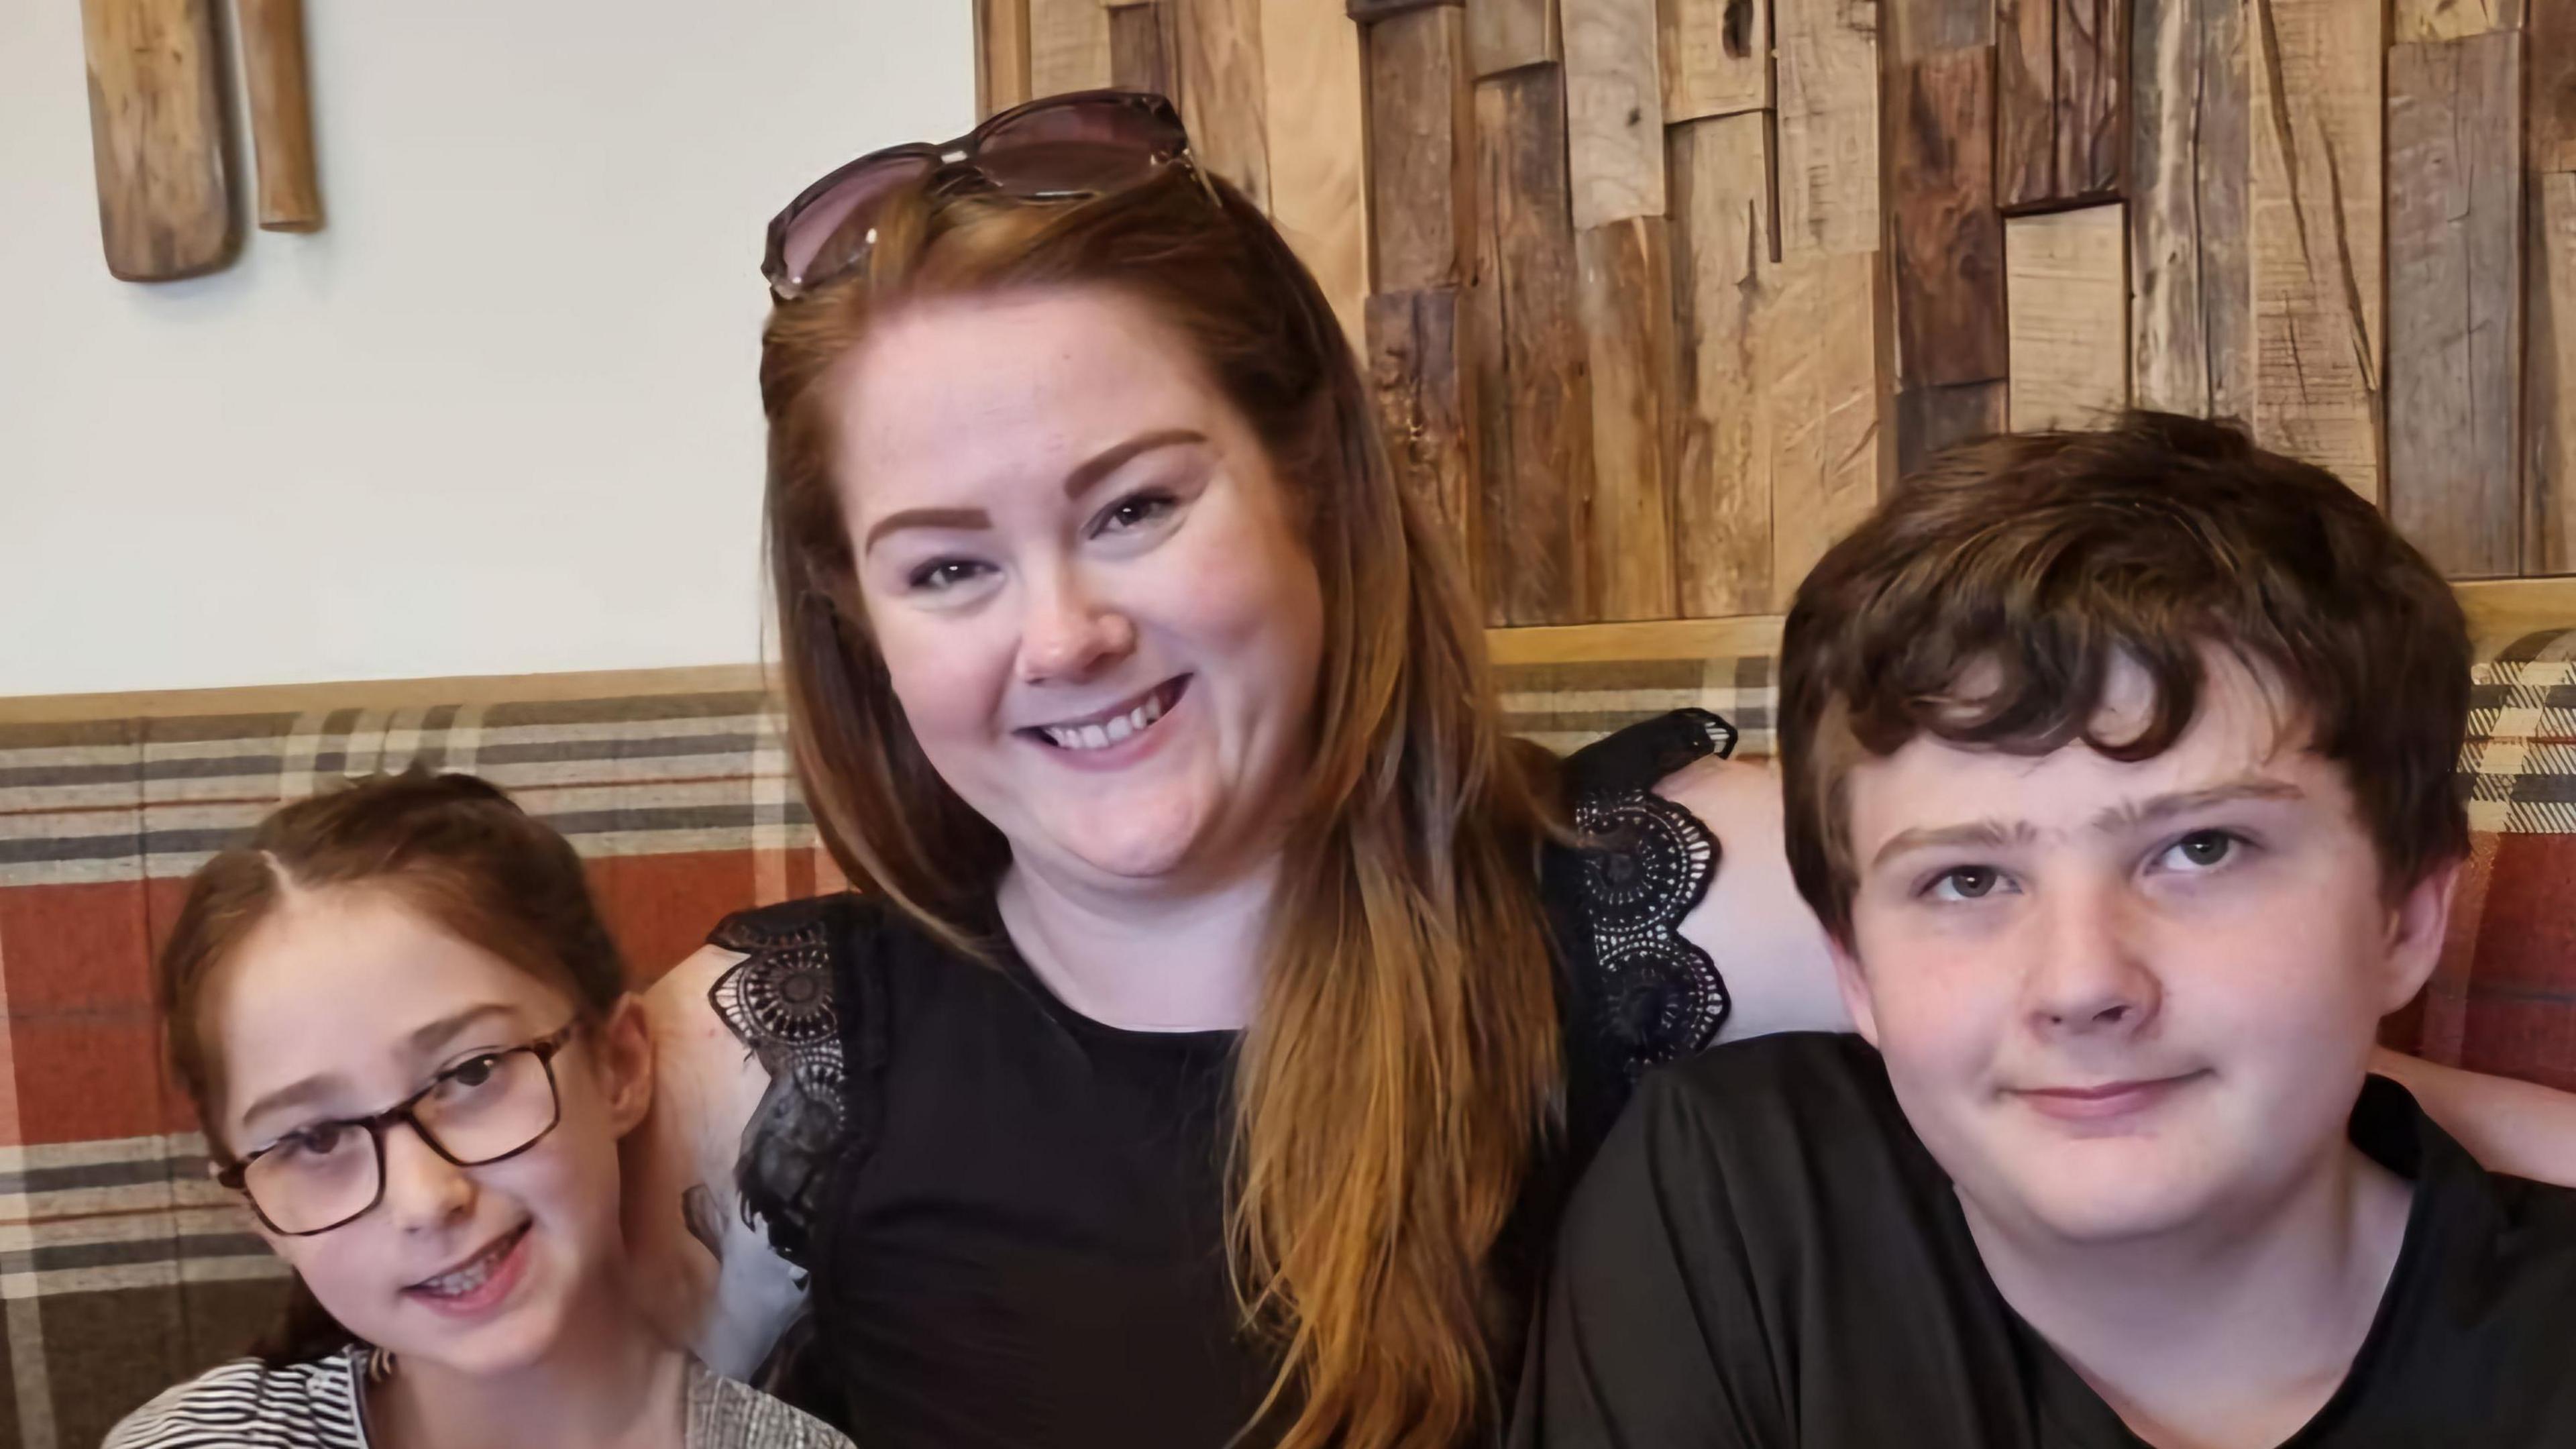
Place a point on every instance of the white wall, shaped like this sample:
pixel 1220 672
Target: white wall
pixel 499 415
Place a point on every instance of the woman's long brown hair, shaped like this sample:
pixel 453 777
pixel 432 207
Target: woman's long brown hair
pixel 1402 1068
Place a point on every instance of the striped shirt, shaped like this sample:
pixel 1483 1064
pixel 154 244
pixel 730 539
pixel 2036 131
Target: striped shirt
pixel 321 1404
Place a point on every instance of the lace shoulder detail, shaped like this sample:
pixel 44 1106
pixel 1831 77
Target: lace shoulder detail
pixel 1645 865
pixel 791 1001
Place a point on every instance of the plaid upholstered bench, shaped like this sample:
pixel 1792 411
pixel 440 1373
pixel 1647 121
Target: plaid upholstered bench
pixel 122 1268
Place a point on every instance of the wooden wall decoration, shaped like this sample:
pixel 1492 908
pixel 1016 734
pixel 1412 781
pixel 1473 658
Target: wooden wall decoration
pixel 156 117
pixel 1659 296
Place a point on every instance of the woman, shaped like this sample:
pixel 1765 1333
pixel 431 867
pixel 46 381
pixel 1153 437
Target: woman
pixel 1223 1013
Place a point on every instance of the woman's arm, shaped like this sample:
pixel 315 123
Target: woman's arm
pixel 2519 1128
pixel 706 1278
pixel 1753 923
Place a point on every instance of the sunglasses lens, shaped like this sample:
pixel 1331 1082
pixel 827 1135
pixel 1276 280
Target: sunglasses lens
pixel 823 235
pixel 1081 146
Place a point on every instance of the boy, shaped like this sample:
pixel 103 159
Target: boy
pixel 2119 769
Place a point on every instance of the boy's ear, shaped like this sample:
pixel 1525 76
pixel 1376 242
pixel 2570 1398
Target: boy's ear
pixel 1854 985
pixel 626 1063
pixel 2419 924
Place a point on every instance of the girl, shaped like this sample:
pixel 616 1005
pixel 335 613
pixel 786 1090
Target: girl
pixel 407 1036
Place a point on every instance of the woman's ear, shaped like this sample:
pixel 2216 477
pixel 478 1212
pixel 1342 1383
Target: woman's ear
pixel 625 1060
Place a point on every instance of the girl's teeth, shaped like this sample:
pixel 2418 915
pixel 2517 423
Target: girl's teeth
pixel 1102 736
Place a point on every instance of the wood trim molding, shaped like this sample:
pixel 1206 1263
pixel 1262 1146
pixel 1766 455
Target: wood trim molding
pixel 2499 610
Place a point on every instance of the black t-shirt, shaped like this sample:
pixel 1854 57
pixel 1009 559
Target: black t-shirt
pixel 1765 1255
pixel 1012 1214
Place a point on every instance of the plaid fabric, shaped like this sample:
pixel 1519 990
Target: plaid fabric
pixel 124 1270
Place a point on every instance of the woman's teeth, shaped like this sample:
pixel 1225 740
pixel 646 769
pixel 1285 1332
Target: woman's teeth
pixel 474 1274
pixel 1102 736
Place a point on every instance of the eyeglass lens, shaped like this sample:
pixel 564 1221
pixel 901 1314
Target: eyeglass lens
pixel 478 1111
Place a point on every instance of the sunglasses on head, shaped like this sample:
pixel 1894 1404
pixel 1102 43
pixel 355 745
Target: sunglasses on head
pixel 1062 148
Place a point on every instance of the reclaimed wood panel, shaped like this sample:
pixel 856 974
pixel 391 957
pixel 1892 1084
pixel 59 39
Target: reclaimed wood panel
pixel 1716 57
pixel 1370 11
pixel 1930 419
pixel 2062 83
pixel 2549 391
pixel 1421 149
pixel 156 123
pixel 1222 101
pixel 1509 34
pixel 1419 375
pixel 1533 375
pixel 1824 357
pixel 1826 59
pixel 1721 196
pixel 1913 29
pixel 2066 273
pixel 1001 55
pixel 1614 97
pixel 2192 278
pixel 2552 31
pixel 1068 46
pixel 1949 242
pixel 1319 147
pixel 1143 43
pixel 2418 21
pixel 2318 239
pixel 2454 301
pixel 1626 303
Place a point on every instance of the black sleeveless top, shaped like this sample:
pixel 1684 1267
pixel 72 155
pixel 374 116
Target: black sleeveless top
pixel 1010 1214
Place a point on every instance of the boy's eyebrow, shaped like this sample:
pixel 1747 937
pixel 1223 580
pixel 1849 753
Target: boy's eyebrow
pixel 1934 837
pixel 436 1034
pixel 2129 815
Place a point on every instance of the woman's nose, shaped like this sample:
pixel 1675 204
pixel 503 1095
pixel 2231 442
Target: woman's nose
pixel 422 1189
pixel 1069 632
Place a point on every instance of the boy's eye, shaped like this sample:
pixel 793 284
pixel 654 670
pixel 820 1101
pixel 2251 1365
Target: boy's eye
pixel 1966 883
pixel 320 1140
pixel 2200 850
pixel 467 1076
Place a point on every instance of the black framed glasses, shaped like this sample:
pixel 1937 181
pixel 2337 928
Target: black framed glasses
pixel 1071 147
pixel 491 1106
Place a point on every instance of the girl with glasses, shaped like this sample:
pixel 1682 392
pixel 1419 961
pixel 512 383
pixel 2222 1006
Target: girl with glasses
pixel 408 1037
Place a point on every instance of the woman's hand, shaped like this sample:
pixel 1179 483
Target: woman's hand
pixel 1753 923
pixel 707 1279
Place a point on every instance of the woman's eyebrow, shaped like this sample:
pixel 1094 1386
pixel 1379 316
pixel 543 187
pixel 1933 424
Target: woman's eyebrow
pixel 1109 460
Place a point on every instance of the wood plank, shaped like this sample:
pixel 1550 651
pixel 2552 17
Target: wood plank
pixel 2025 102
pixel 2552 25
pixel 1222 98
pixel 2418 21
pixel 1627 309
pixel 1913 29
pixel 281 113
pixel 156 120
pixel 1533 384
pixel 1001 55
pixel 1144 41
pixel 1614 110
pixel 1508 34
pixel 1417 371
pixel 1746 636
pixel 2092 98
pixel 1826 58
pixel 1068 46
pixel 2454 301
pixel 2067 275
pixel 2192 308
pixel 1421 140
pixel 1930 419
pixel 1716 56
pixel 1721 196
pixel 1370 11
pixel 1827 355
pixel 2318 239
pixel 2549 398
pixel 1319 148
pixel 1949 240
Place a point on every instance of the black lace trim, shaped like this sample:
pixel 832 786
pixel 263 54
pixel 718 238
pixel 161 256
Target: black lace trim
pixel 1646 864
pixel 782 1001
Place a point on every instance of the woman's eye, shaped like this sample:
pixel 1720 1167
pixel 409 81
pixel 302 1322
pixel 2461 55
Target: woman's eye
pixel 1965 883
pixel 468 1076
pixel 943 574
pixel 1135 511
pixel 2200 850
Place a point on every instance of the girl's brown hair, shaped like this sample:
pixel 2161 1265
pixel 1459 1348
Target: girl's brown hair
pixel 450 846
pixel 1401 1070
